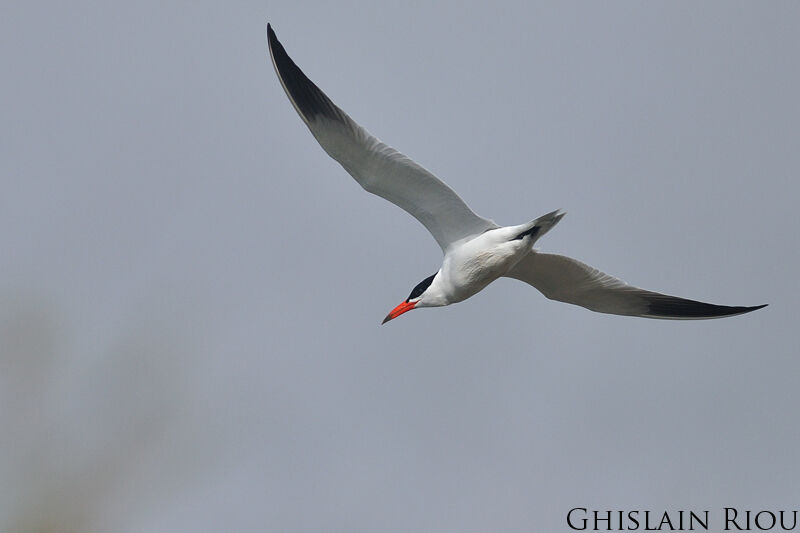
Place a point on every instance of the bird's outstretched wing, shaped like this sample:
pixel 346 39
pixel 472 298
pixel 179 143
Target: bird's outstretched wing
pixel 567 280
pixel 377 167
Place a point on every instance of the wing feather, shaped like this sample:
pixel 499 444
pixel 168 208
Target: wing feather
pixel 568 280
pixel 377 167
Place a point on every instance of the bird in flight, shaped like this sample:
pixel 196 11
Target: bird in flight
pixel 476 250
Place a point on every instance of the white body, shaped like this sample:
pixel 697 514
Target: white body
pixel 468 268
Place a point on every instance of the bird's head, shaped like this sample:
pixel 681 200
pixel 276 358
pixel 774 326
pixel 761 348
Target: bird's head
pixel 423 295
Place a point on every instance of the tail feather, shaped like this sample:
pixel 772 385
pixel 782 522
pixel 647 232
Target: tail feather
pixel 541 225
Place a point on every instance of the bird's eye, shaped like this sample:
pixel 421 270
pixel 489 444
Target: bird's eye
pixel 420 288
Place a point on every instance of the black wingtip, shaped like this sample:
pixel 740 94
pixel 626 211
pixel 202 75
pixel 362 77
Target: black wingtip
pixel 272 39
pixel 661 306
pixel 750 309
pixel 309 100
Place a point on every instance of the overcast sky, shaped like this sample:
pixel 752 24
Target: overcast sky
pixel 191 291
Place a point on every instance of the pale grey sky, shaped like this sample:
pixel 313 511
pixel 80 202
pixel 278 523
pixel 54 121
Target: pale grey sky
pixel 191 290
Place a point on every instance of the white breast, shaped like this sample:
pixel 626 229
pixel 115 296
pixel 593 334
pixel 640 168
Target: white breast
pixel 472 266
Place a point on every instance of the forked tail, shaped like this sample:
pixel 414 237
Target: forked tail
pixel 541 225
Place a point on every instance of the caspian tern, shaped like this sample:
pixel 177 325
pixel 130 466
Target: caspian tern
pixel 476 250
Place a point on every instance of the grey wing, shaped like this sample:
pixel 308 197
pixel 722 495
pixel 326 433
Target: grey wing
pixel 568 280
pixel 377 167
